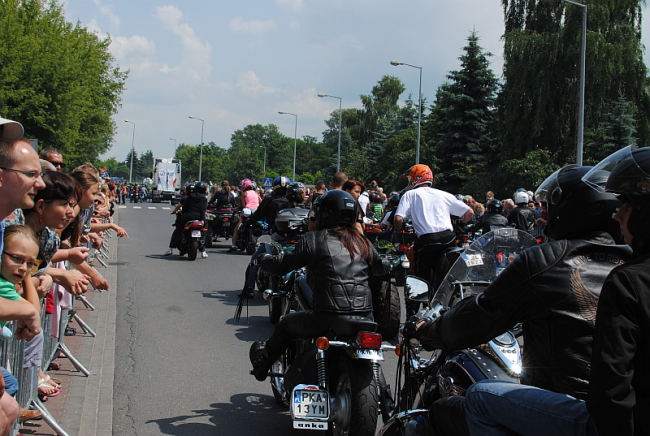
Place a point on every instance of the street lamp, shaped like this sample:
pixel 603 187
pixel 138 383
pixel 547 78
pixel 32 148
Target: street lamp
pixel 295 140
pixel 264 147
pixel 338 161
pixel 173 139
pixel 417 150
pixel 581 88
pixel 132 149
pixel 201 156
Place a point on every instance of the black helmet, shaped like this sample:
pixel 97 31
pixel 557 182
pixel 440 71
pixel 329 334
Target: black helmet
pixel 335 208
pixel 201 188
pixel 627 173
pixel 296 192
pixel 460 197
pixel 374 197
pixel 575 208
pixel 394 200
pixel 280 184
pixel 495 206
pixel 190 188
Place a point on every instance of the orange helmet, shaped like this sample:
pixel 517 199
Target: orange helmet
pixel 418 175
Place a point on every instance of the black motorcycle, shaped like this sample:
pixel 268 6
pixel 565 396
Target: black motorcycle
pixel 385 296
pixel 424 379
pixel 220 224
pixel 249 232
pixel 194 236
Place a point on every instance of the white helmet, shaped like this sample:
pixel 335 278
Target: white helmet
pixel 521 197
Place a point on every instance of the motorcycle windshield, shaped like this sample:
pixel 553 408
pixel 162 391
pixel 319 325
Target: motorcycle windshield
pixel 627 176
pixel 482 261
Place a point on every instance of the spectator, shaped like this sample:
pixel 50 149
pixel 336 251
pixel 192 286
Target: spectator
pixel 337 181
pixel 53 156
pixel 479 210
pixel 489 196
pixel 508 205
pixel 319 190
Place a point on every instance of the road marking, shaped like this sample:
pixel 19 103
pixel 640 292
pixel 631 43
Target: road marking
pixel 150 207
pixel 166 208
pixel 137 207
pixel 121 207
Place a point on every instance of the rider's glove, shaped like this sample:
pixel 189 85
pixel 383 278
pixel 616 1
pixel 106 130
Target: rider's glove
pixel 415 325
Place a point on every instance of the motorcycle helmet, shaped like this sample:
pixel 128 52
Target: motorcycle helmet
pixel 189 189
pixel 296 192
pixel 374 197
pixel 628 177
pixel 335 208
pixel 418 175
pixel 201 188
pixel 254 185
pixel 394 200
pixel 460 197
pixel 575 208
pixel 280 184
pixel 495 206
pixel 245 185
pixel 521 198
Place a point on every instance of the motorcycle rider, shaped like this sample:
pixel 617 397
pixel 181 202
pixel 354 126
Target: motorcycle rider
pixel 552 289
pixel 619 391
pixel 430 210
pixel 523 217
pixel 250 199
pixel 492 218
pixel 194 206
pixel 338 260
pixel 267 210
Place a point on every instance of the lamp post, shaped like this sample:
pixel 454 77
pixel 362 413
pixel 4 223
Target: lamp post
pixel 417 150
pixel 581 88
pixel 201 156
pixel 173 139
pixel 264 147
pixel 338 161
pixel 295 140
pixel 132 149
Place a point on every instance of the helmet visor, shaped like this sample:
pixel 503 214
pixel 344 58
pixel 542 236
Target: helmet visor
pixel 598 176
pixel 550 190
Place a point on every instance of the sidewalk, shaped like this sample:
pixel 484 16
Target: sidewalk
pixel 85 405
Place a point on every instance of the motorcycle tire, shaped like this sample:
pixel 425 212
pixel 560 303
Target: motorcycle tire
pixel 193 250
pixel 387 312
pixel 275 309
pixel 250 249
pixel 208 237
pixel 356 378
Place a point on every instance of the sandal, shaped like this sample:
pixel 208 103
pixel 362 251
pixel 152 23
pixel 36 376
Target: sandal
pixel 44 388
pixel 54 382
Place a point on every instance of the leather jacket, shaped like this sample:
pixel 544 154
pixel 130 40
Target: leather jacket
pixel 269 208
pixel 339 284
pixel 487 221
pixel 523 217
pixel 553 289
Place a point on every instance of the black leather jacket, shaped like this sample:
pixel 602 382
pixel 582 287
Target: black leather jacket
pixel 487 221
pixel 553 290
pixel 339 284
pixel 619 391
pixel 523 217
pixel 269 208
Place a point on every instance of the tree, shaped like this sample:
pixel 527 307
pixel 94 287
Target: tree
pixel 462 121
pixel 617 131
pixel 213 166
pixel 57 79
pixel 538 103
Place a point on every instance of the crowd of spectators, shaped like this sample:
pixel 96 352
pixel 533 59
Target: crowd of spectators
pixel 47 217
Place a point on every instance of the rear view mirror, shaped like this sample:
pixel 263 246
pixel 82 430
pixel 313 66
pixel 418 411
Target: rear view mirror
pixel 416 290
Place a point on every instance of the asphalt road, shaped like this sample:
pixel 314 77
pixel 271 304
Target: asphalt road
pixel 182 364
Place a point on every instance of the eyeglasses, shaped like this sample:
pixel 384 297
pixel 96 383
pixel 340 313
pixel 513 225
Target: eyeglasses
pixel 57 164
pixel 20 261
pixel 32 174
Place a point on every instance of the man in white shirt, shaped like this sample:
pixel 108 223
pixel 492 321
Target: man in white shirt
pixel 430 210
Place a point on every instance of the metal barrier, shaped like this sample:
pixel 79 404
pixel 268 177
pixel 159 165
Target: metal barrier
pixel 12 353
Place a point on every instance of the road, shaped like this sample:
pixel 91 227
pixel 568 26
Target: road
pixel 181 360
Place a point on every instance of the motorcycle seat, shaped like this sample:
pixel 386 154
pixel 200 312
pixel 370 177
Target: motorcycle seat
pixel 350 325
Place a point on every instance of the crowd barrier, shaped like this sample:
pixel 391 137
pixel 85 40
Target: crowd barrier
pixel 12 350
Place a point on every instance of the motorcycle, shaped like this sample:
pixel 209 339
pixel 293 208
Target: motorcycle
pixel 249 232
pixel 450 372
pixel 385 297
pixel 219 224
pixel 194 236
pixel 333 382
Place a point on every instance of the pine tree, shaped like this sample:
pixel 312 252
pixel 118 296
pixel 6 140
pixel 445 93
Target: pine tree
pixel 617 131
pixel 462 121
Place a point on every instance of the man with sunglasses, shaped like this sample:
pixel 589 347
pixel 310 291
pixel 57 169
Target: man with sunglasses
pixel 53 156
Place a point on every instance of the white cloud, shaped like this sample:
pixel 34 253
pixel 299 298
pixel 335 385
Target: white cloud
pixel 108 11
pixel 256 27
pixel 308 104
pixel 295 26
pixel 196 61
pixel 290 4
pixel 94 27
pixel 249 83
pixel 135 53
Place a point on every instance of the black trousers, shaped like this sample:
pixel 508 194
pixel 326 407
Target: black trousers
pixel 428 249
pixel 447 417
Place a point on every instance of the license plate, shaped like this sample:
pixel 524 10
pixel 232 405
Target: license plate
pixel 196 233
pixel 310 407
pixel 472 259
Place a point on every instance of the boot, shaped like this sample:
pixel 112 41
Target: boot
pixel 260 360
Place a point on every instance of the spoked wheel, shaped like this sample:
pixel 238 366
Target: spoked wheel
pixel 355 393
pixel 277 383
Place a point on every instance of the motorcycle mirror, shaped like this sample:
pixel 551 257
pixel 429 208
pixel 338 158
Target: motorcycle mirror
pixel 416 289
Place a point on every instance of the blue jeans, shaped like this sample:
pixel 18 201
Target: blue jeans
pixel 11 384
pixel 251 271
pixel 493 407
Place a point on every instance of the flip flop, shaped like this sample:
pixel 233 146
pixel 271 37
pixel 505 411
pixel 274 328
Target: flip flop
pixel 43 384
pixel 56 381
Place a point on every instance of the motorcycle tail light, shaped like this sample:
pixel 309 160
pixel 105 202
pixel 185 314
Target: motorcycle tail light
pixel 403 247
pixel 369 340
pixel 196 226
pixel 226 219
pixel 500 256
pixel 539 240
pixel 322 343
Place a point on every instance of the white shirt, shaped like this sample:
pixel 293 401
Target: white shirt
pixel 430 209
pixel 363 201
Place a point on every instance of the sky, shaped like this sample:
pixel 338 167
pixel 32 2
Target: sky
pixel 235 63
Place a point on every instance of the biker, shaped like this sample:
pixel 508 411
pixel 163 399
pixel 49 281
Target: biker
pixel 523 217
pixel 375 206
pixel 430 210
pixel 296 194
pixel 552 289
pixel 223 199
pixel 338 261
pixel 249 199
pixel 268 210
pixel 194 206
pixel 491 219
pixel 387 223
